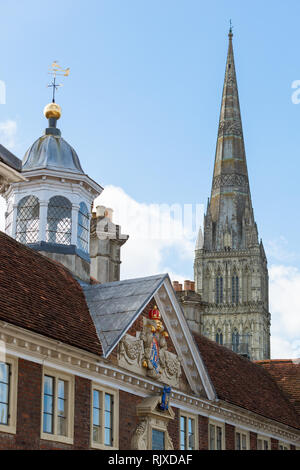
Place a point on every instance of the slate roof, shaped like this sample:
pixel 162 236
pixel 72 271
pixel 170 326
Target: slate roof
pixel 10 159
pixel 286 372
pixel 114 306
pixel 42 296
pixel 244 383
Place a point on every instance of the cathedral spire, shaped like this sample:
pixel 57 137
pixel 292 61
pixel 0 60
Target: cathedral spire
pixel 230 193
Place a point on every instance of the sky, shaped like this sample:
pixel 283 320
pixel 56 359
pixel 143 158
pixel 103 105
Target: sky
pixel 141 108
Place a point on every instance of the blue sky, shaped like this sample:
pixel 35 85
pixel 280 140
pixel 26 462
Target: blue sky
pixel 142 101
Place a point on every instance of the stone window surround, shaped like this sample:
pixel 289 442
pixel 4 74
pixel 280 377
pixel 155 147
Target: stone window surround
pixel 56 374
pixel 216 424
pixel 196 434
pixel 261 437
pixel 245 433
pixel 13 392
pixel 115 394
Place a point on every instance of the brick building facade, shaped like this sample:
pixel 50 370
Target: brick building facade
pixel 103 363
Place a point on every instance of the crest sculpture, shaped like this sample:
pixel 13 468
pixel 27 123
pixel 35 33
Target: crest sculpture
pixel 148 351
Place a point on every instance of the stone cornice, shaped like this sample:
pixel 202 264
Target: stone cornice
pixel 37 348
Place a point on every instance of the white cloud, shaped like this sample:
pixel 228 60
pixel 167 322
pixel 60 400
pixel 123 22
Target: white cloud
pixel 8 131
pixel 285 311
pixel 152 230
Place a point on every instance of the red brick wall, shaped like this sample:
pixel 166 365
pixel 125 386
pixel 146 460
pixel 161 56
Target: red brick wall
pixel 29 405
pixel 82 418
pixel 29 412
pixel 229 437
pixel 128 418
pixel 253 441
pixel 203 432
pixel 173 429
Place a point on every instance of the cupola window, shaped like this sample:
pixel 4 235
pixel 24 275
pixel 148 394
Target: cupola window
pixel 59 221
pixel 27 229
pixel 83 228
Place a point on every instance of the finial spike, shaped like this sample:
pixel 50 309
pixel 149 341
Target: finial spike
pixel 230 29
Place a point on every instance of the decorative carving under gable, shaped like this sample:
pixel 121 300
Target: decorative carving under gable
pixel 152 417
pixel 4 185
pixel 148 354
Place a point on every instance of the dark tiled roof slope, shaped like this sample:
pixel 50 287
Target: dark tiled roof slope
pixel 42 296
pixel 286 372
pixel 243 383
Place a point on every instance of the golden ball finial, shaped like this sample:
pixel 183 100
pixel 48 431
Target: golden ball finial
pixel 52 110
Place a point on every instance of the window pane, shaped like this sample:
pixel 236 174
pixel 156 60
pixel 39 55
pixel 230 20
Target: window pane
pixel 48 385
pixel 3 413
pixel 182 423
pixel 96 417
pixel 265 445
pixel 238 441
pixel 96 399
pixel 61 426
pixel 108 437
pixel 182 432
pixel 4 372
pixel 61 389
pixel 108 402
pixel 3 393
pixel 61 407
pixel 212 437
pixel 48 404
pixel 97 434
pixel 244 442
pixel 219 438
pixel 48 423
pixel 158 440
pixel 259 444
pixel 191 438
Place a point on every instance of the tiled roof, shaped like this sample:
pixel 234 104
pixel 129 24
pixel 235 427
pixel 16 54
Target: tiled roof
pixel 286 372
pixel 243 383
pixel 42 296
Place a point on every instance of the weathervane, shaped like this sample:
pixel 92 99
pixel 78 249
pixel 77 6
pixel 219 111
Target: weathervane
pixel 230 27
pixel 55 70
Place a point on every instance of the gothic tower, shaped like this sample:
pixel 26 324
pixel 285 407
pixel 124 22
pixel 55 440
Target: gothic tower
pixel 230 265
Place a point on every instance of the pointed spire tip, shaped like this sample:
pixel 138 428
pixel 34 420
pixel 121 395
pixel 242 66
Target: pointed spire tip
pixel 230 34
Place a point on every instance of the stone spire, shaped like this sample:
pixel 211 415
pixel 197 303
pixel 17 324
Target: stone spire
pixel 229 221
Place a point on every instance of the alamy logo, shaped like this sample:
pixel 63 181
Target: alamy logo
pixel 2 92
pixel 296 94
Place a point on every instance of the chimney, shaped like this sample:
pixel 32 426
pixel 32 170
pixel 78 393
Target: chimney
pixel 177 287
pixel 189 285
pixel 105 246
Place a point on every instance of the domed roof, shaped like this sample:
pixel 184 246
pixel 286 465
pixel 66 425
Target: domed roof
pixel 53 152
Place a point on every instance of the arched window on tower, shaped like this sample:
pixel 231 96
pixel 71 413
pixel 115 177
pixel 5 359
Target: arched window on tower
pixel 219 337
pixel 219 289
pixel 235 289
pixel 28 213
pixel 59 221
pixel 235 340
pixel 83 232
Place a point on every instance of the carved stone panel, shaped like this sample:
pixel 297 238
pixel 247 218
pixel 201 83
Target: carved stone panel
pixel 147 353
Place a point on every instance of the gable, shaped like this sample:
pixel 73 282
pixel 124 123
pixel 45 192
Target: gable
pixel 119 311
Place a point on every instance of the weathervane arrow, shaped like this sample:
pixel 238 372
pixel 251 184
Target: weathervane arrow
pixel 55 70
